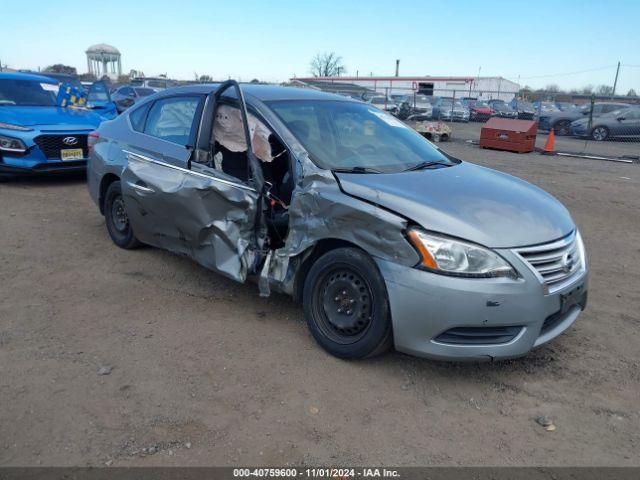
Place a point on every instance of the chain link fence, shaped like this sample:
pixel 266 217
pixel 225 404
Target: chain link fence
pixel 604 126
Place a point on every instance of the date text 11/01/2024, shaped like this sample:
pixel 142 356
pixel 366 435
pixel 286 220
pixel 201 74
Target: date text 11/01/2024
pixel 335 473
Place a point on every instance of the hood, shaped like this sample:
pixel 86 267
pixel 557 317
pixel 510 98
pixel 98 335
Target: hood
pixel 469 202
pixel 55 118
pixel 482 109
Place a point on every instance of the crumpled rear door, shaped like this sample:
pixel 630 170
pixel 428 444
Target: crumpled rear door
pixel 207 218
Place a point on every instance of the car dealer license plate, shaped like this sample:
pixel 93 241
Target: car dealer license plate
pixel 71 154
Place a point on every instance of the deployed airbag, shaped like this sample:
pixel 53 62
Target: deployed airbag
pixel 228 131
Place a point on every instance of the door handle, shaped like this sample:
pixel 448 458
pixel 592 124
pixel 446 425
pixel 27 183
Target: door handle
pixel 140 188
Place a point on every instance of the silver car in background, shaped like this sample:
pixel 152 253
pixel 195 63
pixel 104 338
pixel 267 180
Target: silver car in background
pixel 385 239
pixel 416 107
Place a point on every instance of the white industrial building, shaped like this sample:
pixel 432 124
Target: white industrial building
pixel 477 87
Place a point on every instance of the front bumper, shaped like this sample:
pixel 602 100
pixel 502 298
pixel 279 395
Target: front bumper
pixel 43 158
pixel 12 166
pixel 425 305
pixel 456 117
pixel 43 168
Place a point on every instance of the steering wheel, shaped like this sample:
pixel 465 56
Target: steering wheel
pixel 367 149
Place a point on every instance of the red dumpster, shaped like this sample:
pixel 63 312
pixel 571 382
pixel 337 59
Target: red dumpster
pixel 506 134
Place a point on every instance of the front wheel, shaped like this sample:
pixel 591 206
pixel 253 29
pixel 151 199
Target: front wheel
pixel 600 133
pixel 346 306
pixel 117 220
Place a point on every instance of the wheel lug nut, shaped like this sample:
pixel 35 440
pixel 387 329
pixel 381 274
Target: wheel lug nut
pixel 348 312
pixel 352 301
pixel 339 310
pixel 344 292
pixel 337 299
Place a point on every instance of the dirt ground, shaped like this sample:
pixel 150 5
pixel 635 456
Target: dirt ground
pixel 205 372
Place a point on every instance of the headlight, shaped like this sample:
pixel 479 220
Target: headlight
pixel 9 126
pixel 453 257
pixel 9 144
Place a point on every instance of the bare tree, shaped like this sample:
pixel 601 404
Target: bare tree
pixel 327 64
pixel 588 90
pixel 631 93
pixel 604 90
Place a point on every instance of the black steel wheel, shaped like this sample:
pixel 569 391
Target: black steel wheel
pixel 346 306
pixel 116 218
pixel 342 305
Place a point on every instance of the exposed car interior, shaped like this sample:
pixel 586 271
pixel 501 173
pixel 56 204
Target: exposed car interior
pixel 229 155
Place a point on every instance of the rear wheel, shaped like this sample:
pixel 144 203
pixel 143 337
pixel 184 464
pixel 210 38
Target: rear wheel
pixel 563 127
pixel 346 306
pixel 600 133
pixel 117 220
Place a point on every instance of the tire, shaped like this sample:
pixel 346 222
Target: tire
pixel 116 218
pixel 346 305
pixel 599 134
pixel 562 128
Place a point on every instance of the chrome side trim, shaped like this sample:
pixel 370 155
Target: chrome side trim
pixel 141 187
pixel 143 158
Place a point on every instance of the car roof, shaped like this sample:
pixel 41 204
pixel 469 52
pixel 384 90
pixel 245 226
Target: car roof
pixel 264 93
pixel 27 76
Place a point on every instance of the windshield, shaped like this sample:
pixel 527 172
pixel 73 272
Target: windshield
pixel 378 100
pixel 28 93
pixel 98 93
pixel 448 103
pixel 349 135
pixel 144 92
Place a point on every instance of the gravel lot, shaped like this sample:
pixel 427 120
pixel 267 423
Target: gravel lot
pixel 202 371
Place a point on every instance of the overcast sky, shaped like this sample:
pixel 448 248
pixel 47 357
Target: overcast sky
pixel 536 42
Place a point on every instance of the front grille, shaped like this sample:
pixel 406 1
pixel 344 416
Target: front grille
pixel 52 144
pixel 555 263
pixel 478 335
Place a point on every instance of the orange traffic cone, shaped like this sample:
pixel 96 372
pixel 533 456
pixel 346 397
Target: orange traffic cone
pixel 548 147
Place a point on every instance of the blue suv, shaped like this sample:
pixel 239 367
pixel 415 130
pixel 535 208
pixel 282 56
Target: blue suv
pixel 37 135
